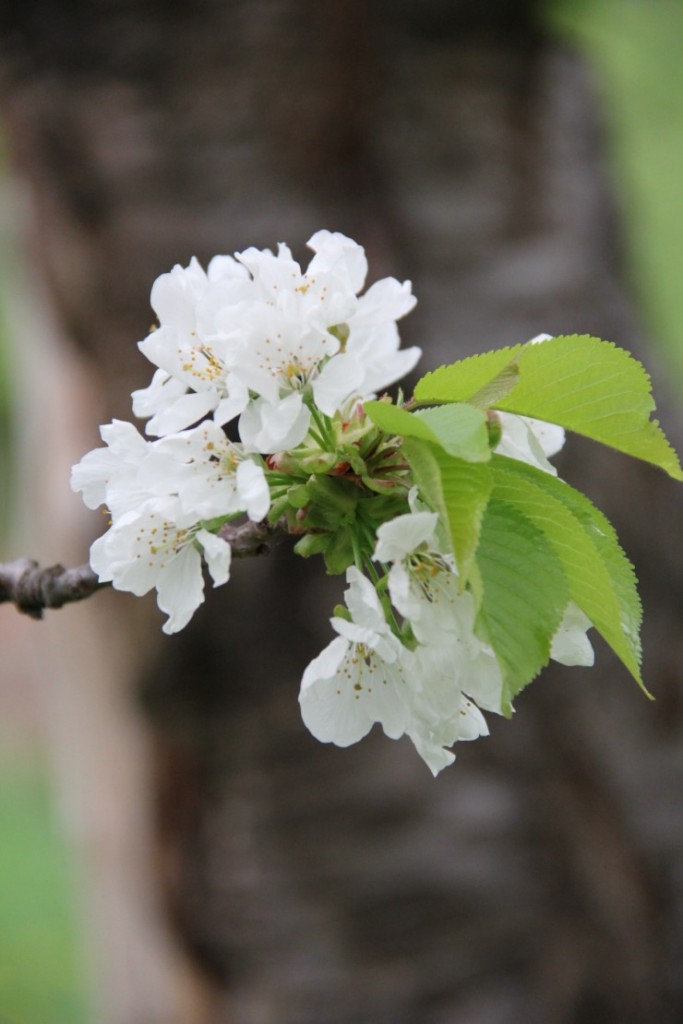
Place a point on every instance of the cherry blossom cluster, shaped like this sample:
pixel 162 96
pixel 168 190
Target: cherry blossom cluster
pixel 428 677
pixel 257 348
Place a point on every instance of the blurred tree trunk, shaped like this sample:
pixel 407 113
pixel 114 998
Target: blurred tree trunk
pixel 539 879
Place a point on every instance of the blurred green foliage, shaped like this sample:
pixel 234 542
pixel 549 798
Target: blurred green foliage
pixel 40 979
pixel 636 48
pixel 41 963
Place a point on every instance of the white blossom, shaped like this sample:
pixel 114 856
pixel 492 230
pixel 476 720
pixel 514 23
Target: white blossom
pixel 358 679
pixel 158 493
pixel 147 549
pixel 367 676
pixel 198 471
pixel 258 329
pixel 187 349
pixel 111 476
pixel 373 335
pixel 210 475
pixel 162 394
pixel 423 584
pixel 442 713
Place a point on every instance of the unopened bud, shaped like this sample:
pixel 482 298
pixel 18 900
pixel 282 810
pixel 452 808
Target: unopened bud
pixel 494 427
pixel 282 462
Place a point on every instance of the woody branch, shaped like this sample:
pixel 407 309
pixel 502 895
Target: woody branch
pixel 33 588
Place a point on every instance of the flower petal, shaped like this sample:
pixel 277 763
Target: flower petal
pixel 400 536
pixel 217 554
pixel 329 710
pixel 271 428
pixel 338 379
pixel 180 588
pixel 336 254
pixel 570 644
pixel 182 413
pixel 252 489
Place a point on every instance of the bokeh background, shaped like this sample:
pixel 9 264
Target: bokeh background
pixel 632 52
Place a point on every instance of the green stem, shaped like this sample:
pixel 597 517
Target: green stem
pixel 371 570
pixel 323 426
pixel 357 554
pixel 319 440
pixel 283 478
pixel 385 600
pixel 368 536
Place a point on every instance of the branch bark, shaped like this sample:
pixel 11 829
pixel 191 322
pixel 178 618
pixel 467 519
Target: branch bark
pixel 33 589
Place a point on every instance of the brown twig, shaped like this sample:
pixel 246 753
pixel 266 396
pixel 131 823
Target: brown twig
pixel 249 539
pixel 33 589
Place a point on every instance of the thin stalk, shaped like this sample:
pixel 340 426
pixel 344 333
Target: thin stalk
pixel 283 478
pixel 322 424
pixel 383 596
pixel 357 553
pixel 371 570
pixel 319 440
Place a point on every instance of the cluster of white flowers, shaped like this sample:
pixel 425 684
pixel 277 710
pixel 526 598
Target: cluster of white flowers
pixel 255 337
pixel 291 355
pixel 161 497
pixel 433 689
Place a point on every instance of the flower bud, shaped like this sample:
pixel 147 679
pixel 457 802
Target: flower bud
pixel 494 427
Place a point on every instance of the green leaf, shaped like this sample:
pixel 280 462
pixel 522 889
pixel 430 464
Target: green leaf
pixel 395 420
pixel 596 389
pixel 457 490
pixel 479 380
pixel 525 594
pixel 579 382
pixel 459 429
pixel 601 579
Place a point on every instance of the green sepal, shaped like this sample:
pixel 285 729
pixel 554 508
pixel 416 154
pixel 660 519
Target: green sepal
pixel 278 508
pixel 214 525
pixel 383 486
pixel 299 496
pixel 332 502
pixel 336 548
pixel 335 495
pixel 376 509
pixel 349 453
pixel 338 553
pixel 317 462
pixel 312 544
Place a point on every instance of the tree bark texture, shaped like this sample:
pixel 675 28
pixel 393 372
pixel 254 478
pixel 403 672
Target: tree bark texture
pixel 539 879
